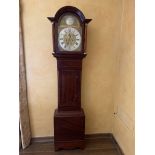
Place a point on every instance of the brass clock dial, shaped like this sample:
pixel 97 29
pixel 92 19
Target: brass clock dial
pixel 69 39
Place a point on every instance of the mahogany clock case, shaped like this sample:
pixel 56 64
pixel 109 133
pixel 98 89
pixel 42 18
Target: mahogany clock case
pixel 69 118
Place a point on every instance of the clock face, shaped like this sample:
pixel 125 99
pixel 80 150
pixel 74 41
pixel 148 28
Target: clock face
pixel 69 38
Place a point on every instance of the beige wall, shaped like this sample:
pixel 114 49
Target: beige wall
pixel 124 82
pixel 98 67
pixel 107 61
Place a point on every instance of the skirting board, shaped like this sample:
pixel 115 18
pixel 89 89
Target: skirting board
pixel 50 139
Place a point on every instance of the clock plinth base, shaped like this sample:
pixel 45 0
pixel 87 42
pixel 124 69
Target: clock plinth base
pixel 69 129
pixel 69 144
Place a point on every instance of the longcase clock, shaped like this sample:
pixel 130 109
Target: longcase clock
pixel 69 45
